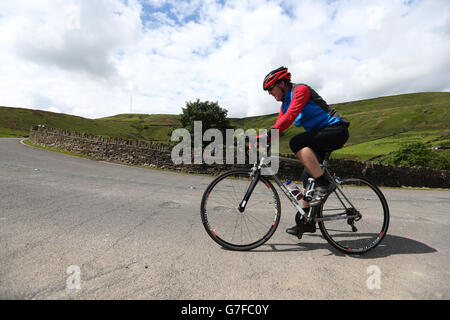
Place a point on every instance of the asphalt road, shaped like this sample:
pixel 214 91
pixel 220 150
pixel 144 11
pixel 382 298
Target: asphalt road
pixel 72 228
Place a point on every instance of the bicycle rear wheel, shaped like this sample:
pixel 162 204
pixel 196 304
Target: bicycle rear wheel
pixel 359 213
pixel 229 227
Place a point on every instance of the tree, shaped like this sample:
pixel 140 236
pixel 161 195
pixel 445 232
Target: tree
pixel 209 113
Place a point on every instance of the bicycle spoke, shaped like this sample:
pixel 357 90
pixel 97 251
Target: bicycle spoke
pixel 257 220
pixel 357 198
pixel 232 228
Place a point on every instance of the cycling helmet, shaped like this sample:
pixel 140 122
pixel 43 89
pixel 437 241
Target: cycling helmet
pixel 274 76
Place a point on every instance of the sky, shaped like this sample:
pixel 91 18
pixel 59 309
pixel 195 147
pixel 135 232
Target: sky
pixel 98 58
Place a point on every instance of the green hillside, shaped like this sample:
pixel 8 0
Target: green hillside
pixel 378 126
pixel 154 127
pixel 16 122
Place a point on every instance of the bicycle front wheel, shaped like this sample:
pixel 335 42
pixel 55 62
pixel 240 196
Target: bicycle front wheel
pixel 355 217
pixel 229 227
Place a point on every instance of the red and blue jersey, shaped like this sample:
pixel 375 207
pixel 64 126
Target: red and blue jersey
pixel 303 107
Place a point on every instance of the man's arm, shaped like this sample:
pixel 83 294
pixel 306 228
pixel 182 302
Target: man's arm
pixel 299 99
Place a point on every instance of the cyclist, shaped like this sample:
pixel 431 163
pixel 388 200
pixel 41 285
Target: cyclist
pixel 325 130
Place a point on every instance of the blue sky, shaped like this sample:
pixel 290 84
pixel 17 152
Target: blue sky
pixel 150 12
pixel 89 58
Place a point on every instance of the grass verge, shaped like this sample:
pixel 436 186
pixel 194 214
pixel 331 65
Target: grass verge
pixel 27 142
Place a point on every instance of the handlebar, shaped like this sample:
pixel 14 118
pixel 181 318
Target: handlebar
pixel 253 144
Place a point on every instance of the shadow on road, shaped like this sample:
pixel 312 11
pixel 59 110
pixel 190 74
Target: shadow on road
pixel 391 245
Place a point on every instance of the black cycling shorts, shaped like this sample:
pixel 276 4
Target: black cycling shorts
pixel 320 141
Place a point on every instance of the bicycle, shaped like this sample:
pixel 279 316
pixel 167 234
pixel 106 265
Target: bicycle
pixel 241 209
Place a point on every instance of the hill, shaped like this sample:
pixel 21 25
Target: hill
pixel 16 122
pixel 378 126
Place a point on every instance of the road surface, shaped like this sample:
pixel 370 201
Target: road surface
pixel 72 228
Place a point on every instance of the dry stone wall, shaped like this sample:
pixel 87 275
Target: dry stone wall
pixel 157 155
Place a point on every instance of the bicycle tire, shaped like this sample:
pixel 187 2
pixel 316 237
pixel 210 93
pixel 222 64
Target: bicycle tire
pixel 371 227
pixel 219 211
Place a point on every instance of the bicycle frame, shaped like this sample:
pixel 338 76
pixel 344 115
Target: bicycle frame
pixel 238 230
pixel 256 173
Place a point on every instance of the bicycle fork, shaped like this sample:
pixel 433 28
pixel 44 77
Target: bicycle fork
pixel 255 180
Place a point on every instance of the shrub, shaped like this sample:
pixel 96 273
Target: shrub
pixel 419 154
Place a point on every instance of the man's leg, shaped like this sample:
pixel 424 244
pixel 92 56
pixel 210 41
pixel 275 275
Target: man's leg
pixel 307 156
pixel 323 185
pixel 312 167
pixel 327 138
pixel 309 160
pixel 301 144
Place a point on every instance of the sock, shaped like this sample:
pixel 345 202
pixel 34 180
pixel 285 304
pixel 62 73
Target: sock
pixel 322 180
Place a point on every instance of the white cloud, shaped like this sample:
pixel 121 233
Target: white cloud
pixel 88 57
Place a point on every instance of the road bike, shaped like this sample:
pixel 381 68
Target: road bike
pixel 241 209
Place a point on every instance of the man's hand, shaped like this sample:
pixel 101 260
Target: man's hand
pixel 263 137
pixel 258 141
pixel 267 137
